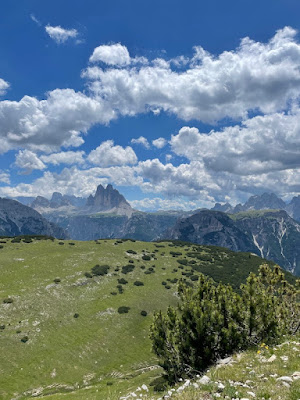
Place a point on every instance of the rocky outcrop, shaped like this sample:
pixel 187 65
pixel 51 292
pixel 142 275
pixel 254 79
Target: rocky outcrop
pixel 108 200
pixel 271 234
pixel 17 219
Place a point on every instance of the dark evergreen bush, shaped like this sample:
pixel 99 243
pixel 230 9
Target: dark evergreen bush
pixel 9 300
pixel 88 275
pixel 144 313
pixel 131 252
pixel 123 310
pixel 127 268
pixel 76 315
pixel 131 261
pixel 146 257
pixel 72 244
pixel 57 280
pixel 61 243
pixel 25 339
pixel 122 281
pixel 138 283
pixel 2 327
pixel 100 270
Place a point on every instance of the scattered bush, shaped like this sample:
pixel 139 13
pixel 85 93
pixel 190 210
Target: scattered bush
pixel 25 339
pixel 57 280
pixel 144 313
pixel 131 261
pixel 88 275
pixel 122 281
pixel 143 267
pixel 9 300
pixel 147 272
pixel 168 287
pixel 123 310
pixel 100 270
pixel 2 241
pixel 164 283
pixel 72 244
pixel 146 257
pixel 182 261
pixel 61 243
pixel 2 327
pixel 76 315
pixel 175 253
pixel 1 247
pixel 113 293
pixel 131 252
pixel 138 283
pixel 194 278
pixel 127 268
pixel 18 331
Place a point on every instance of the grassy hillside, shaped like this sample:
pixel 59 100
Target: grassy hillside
pixel 61 334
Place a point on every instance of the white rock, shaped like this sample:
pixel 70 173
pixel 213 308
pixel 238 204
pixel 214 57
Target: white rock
pixel 284 358
pixel 251 394
pixel 272 358
pixel 196 386
pixel 225 361
pixel 204 380
pixel 144 387
pixel 284 379
pixel 221 386
pixel 286 384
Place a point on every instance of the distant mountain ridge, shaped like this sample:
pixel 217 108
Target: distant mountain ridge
pixel 17 219
pixel 271 234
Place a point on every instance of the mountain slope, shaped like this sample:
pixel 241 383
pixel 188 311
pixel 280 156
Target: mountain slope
pixel 18 219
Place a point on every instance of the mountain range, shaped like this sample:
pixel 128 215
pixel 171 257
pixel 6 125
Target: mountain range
pixel 264 225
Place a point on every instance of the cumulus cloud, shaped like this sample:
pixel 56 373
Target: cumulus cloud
pixel 255 76
pixel 3 86
pixel 47 125
pixel 114 54
pixel 157 203
pixel 59 34
pixel 261 144
pixel 64 157
pixel 142 141
pixel 159 143
pixel 28 161
pixel 107 155
pixel 4 177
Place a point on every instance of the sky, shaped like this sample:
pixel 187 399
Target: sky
pixel 177 104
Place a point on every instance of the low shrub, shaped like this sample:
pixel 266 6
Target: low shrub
pixel 123 310
pixel 131 252
pixel 194 278
pixel 88 275
pixel 9 300
pixel 72 244
pixel 122 281
pixel 57 280
pixel 18 331
pixel 113 293
pixel 127 268
pixel 76 315
pixel 131 261
pixel 146 257
pixel 100 270
pixel 25 339
pixel 61 243
pixel 2 327
pixel 138 283
pixel 144 313
pixel 164 283
pixel 168 287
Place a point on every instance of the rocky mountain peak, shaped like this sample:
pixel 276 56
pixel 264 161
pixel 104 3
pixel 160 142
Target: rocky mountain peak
pixel 108 200
pixel 264 201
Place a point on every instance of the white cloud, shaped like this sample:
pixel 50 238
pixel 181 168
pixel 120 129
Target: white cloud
pixel 157 203
pixel 28 161
pixel 34 19
pixel 59 34
pixel 107 155
pixel 47 125
pixel 114 54
pixel 64 157
pixel 142 141
pixel 4 177
pixel 255 76
pixel 3 86
pixel 260 145
pixel 159 143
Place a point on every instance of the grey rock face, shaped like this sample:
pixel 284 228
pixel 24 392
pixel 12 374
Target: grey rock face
pixel 18 219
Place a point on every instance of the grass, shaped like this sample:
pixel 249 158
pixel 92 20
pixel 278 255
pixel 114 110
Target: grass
pixel 99 353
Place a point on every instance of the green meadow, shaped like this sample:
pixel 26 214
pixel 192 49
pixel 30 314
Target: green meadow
pixel 62 335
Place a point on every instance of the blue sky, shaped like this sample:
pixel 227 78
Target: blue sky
pixel 178 104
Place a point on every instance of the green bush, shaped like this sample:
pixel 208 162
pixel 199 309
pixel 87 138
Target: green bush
pixel 88 275
pixel 9 300
pixel 25 339
pixel 113 293
pixel 57 280
pixel 2 327
pixel 1 247
pixel 100 270
pixel 164 283
pixel 123 310
pixel 127 268
pixel 131 252
pixel 122 281
pixel 146 257
pixel 212 321
pixel 131 261
pixel 168 287
pixel 194 278
pixel 72 244
pixel 138 283
pixel 76 315
pixel 182 262
pixel 61 243
pixel 144 313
